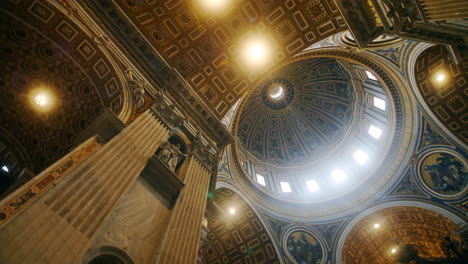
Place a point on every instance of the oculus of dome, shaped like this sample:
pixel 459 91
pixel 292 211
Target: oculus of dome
pixel 277 93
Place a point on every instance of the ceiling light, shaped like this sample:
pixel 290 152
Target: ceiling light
pixel 285 187
pixel 361 157
pixel 379 103
pixel 440 77
pixel 394 250
pixel 256 51
pixel 214 5
pixel 376 225
pixel 375 131
pixel 42 99
pixel 5 168
pixel 313 186
pixel 339 175
pixel 232 211
pixel 261 179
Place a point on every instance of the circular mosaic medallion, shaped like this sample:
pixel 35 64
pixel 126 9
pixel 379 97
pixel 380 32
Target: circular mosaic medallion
pixel 444 173
pixel 277 93
pixel 302 247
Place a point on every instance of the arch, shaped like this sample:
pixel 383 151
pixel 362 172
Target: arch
pixel 54 53
pixel 411 77
pixel 392 204
pixel 106 255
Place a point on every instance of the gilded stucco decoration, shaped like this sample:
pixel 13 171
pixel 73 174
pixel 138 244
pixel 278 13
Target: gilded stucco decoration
pixel 44 48
pixel 202 47
pixel 239 237
pixel 447 99
pixel 399 225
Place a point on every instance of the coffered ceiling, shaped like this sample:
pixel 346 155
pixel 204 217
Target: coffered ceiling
pixel 239 237
pixel 424 229
pixel 306 124
pixel 447 98
pixel 42 48
pixel 203 48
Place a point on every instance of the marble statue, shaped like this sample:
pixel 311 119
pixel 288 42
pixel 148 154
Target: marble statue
pixel 170 154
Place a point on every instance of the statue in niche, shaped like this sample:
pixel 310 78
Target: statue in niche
pixel 170 154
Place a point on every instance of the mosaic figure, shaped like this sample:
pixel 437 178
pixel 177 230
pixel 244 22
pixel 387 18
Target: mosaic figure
pixel 304 248
pixel 444 173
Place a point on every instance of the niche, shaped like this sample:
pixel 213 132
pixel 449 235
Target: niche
pixel 173 153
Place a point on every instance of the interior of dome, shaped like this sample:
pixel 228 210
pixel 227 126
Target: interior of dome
pixel 234 131
pixel 314 114
pixel 330 128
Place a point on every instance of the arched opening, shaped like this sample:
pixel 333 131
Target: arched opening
pixel 381 236
pixel 106 259
pixel 106 255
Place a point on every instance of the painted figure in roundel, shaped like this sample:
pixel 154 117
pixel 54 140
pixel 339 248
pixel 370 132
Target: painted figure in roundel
pixel 444 173
pixel 304 248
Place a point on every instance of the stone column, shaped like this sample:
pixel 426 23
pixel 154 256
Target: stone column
pixel 181 241
pixel 59 225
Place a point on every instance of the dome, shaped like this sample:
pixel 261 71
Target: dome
pixel 316 131
pixel 299 113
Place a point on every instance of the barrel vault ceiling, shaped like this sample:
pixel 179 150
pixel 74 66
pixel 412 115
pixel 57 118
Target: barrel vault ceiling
pixel 238 238
pixel 44 48
pixel 425 229
pixel 449 100
pixel 203 48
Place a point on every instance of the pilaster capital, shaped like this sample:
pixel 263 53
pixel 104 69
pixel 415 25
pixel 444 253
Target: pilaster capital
pixel 204 153
pixel 166 112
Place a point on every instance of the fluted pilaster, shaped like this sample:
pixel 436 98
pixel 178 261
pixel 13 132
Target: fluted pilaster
pixel 58 227
pixel 181 241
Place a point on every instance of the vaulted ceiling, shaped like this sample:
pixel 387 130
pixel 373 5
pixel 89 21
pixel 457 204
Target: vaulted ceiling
pixel 423 228
pixel 448 99
pixel 240 237
pixel 42 48
pixel 203 47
